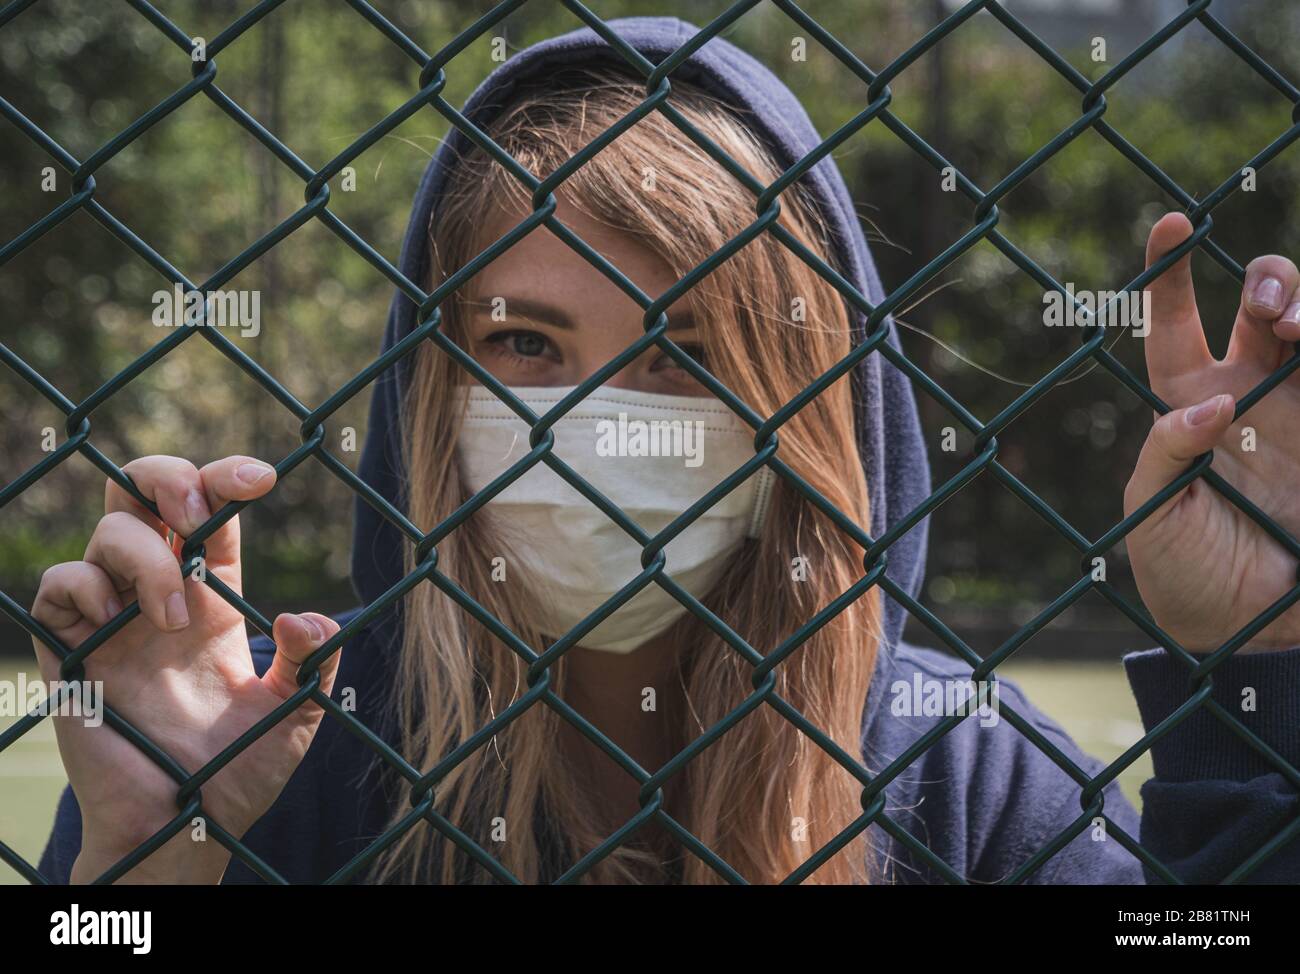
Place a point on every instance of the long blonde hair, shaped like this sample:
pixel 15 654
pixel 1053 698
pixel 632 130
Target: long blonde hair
pixel 763 797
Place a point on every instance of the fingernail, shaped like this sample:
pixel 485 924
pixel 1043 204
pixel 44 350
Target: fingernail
pixel 1268 294
pixel 196 508
pixel 113 607
pixel 1206 411
pixel 178 615
pixel 313 627
pixel 1292 313
pixel 253 473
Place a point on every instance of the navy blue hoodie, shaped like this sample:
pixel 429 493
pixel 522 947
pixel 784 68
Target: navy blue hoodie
pixel 983 798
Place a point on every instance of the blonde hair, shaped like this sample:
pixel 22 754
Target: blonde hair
pixel 763 797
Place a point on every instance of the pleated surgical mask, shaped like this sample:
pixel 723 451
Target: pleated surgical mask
pixel 651 455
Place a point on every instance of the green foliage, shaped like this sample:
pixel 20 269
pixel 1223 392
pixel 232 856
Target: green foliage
pixel 200 189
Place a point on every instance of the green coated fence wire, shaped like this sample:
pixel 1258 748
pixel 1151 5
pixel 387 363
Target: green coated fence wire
pixel 983 460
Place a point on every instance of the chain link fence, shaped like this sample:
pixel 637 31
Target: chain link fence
pixel 876 99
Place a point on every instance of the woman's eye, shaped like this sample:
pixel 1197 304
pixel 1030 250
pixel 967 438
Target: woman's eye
pixel 526 344
pixel 696 352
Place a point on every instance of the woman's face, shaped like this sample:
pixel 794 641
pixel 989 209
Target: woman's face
pixel 540 315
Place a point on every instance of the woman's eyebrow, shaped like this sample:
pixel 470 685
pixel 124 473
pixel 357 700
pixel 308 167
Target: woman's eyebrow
pixel 527 308
pixel 541 311
pixel 681 320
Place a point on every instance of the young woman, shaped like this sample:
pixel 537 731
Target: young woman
pixel 532 801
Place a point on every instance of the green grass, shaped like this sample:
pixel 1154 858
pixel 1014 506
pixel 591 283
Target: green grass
pixel 31 780
pixel 1091 700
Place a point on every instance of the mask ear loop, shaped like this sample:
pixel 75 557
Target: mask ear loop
pixel 763 483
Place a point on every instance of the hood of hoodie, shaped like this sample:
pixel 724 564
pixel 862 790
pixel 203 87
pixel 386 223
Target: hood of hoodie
pixel 888 431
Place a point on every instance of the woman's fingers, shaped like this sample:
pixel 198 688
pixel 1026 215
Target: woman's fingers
pixel 1176 342
pixel 135 556
pixel 187 497
pixel 1176 439
pixel 236 478
pixel 1287 327
pixel 171 483
pixel 1259 333
pixel 296 638
pixel 1269 314
pixel 75 590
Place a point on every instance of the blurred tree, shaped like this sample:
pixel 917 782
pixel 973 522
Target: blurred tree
pixel 199 189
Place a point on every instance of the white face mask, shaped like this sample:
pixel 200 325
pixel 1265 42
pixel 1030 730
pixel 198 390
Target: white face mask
pixel 652 456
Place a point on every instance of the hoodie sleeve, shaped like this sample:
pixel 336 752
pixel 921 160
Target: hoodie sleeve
pixel 1215 800
pixel 987 799
pixel 64 844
